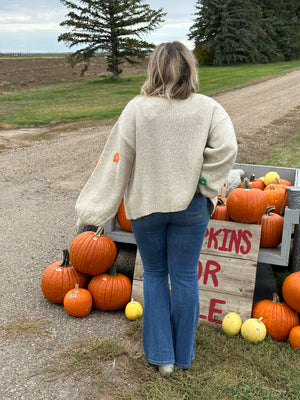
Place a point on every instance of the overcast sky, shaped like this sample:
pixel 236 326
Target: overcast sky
pixel 33 25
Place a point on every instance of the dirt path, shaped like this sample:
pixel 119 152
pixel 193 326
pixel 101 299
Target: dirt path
pixel 39 185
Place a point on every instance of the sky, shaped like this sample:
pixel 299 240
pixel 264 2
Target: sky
pixel 32 26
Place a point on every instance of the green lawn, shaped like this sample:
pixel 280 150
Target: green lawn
pixel 103 98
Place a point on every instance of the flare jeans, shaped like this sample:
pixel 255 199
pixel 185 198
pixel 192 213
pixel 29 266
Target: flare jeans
pixel 170 245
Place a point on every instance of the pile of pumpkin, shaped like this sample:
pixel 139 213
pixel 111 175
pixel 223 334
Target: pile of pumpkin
pixel 279 320
pixel 257 201
pixel 87 277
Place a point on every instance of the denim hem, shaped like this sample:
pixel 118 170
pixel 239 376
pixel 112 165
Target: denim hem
pixel 160 362
pixel 182 366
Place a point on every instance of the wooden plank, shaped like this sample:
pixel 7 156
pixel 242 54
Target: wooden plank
pixel 213 308
pixel 232 239
pixel 227 275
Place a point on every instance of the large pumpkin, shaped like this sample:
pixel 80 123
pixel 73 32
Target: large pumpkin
pixel 278 317
pixel 291 290
pixel 271 228
pixel 92 252
pixel 110 291
pixel 246 205
pixel 60 277
pixel 122 219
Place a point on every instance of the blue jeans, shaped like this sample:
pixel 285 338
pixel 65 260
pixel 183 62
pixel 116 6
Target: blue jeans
pixel 170 245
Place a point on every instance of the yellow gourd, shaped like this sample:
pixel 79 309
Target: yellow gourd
pixel 254 330
pixel 271 178
pixel 231 324
pixel 133 310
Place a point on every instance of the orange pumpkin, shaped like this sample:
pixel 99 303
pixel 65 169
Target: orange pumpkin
pixel 294 337
pixel 122 219
pixel 110 291
pixel 278 317
pixel 276 197
pixel 92 252
pixel 59 277
pixel 285 182
pixel 291 290
pixel 220 212
pixel 255 183
pixel 246 205
pixel 271 228
pixel 78 302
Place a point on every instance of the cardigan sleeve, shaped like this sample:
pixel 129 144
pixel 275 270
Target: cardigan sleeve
pixel 219 155
pixel 100 198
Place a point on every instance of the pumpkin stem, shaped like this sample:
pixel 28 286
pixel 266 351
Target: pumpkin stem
pixel 220 202
pixel 113 270
pixel 269 210
pixel 99 231
pixel 76 288
pixel 276 298
pixel 66 260
pixel 252 178
pixel 246 184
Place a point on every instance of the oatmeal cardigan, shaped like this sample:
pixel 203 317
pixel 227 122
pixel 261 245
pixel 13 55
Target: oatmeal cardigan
pixel 158 154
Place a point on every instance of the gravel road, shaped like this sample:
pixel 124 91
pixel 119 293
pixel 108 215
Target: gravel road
pixel 39 186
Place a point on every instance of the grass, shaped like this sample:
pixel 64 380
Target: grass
pixel 104 98
pixel 227 368
pixel 286 155
pixel 24 326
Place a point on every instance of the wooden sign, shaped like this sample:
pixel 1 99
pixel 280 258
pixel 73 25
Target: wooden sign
pixel 226 270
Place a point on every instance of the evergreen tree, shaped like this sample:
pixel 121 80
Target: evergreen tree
pixel 280 19
pixel 115 28
pixel 231 31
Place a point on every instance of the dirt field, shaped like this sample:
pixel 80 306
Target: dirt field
pixel 23 73
pixel 39 185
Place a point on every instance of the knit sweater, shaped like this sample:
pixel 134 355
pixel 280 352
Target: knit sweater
pixel 158 154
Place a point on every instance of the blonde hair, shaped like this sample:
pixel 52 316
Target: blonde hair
pixel 172 72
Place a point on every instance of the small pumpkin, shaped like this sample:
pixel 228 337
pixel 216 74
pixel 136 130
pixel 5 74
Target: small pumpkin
pixel 78 302
pixel 294 337
pixel 276 197
pixel 133 310
pixel 253 330
pixel 271 177
pixel 123 221
pixel 92 252
pixel 255 183
pixel 59 277
pixel 110 291
pixel 246 205
pixel 220 212
pixel 231 324
pixel 271 228
pixel 278 317
pixel 291 290
pixel 285 182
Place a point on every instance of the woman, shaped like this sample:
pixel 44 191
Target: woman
pixel 168 155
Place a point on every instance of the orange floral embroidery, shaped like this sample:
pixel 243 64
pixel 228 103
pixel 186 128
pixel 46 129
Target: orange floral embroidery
pixel 116 157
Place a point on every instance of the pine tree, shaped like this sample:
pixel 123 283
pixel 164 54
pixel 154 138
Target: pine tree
pixel 249 31
pixel 113 28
